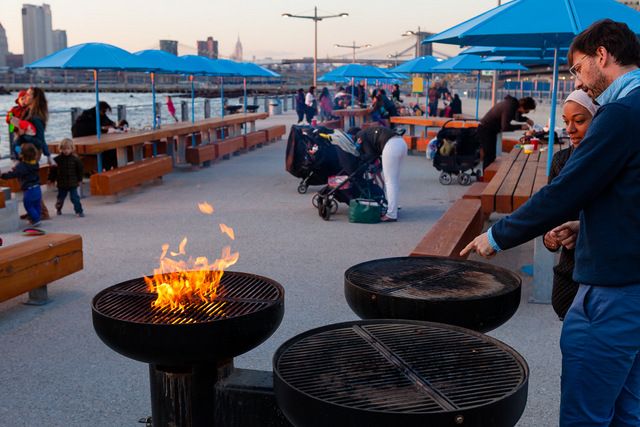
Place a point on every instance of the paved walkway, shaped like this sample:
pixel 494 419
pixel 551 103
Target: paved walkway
pixel 54 370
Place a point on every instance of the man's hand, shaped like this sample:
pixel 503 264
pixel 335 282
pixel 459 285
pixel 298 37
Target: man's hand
pixel 567 233
pixel 481 246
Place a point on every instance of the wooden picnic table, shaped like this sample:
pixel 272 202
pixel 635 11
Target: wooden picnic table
pixel 427 122
pixel 519 177
pixel 356 116
pixel 92 146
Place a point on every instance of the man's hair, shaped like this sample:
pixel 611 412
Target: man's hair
pixel 528 103
pixel 28 152
pixel 104 106
pixel 616 37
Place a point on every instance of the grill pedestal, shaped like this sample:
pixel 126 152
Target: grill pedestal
pixel 184 396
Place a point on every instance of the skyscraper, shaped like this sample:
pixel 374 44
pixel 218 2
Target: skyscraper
pixel 170 46
pixel 59 40
pixel 237 52
pixel 36 32
pixel 208 48
pixel 4 47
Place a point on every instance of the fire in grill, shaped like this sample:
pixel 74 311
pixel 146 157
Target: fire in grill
pixel 185 347
pixel 470 294
pixel 395 372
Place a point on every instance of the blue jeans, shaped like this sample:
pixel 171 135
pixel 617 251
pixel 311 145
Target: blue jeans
pixel 600 344
pixel 73 195
pixel 32 199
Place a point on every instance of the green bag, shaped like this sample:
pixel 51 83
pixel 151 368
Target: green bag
pixel 364 211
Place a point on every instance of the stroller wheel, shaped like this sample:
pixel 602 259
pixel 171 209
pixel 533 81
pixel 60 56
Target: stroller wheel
pixel 302 188
pixel 314 200
pixel 445 178
pixel 477 173
pixel 464 179
pixel 324 211
pixel 333 206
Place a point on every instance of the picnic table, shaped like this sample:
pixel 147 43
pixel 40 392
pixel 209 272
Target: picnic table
pixel 356 116
pixel 420 142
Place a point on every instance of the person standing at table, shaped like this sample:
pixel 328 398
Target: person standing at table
pixel 311 104
pixel 300 105
pixel 498 119
pixel 600 341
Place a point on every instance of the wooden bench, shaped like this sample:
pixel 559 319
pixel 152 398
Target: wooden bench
pixel 275 132
pixel 491 170
pixel 460 224
pixel 201 153
pixel 475 190
pixel 29 266
pixel 116 180
pixel 508 144
pixel 14 184
pixel 3 202
pixel 253 139
pixel 229 146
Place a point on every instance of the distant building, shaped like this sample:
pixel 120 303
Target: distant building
pixel 37 32
pixel 59 40
pixel 170 46
pixel 15 60
pixel 208 48
pixel 631 3
pixel 4 47
pixel 237 52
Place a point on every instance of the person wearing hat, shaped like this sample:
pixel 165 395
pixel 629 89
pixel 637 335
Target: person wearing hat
pixel 577 113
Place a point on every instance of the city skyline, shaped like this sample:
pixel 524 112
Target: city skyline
pixel 270 34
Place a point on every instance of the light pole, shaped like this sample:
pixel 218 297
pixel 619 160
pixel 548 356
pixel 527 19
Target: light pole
pixel 315 19
pixel 354 47
pixel 395 58
pixel 418 35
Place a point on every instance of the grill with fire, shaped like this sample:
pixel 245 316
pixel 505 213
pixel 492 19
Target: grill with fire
pixel 191 317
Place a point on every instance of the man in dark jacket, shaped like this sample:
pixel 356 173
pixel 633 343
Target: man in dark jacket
pixel 85 124
pixel 600 339
pixel 498 119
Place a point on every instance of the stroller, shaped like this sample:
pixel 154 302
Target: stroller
pixel 358 180
pixel 311 156
pixel 457 154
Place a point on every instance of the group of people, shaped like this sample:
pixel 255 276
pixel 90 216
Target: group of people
pixel 27 122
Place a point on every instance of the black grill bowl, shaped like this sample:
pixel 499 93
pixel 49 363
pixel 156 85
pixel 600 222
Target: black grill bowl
pixel 470 294
pixel 247 310
pixel 381 373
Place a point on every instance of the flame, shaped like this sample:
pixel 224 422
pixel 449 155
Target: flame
pixel 228 231
pixel 180 282
pixel 205 208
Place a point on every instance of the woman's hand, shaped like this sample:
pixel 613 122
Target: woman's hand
pixel 567 233
pixel 550 241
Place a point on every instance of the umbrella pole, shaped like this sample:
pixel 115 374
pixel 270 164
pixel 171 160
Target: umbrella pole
pixel 222 105
pixel 244 87
pixel 193 110
pixel 478 95
pixel 552 119
pixel 353 89
pixel 95 79
pixel 153 100
pixel 426 98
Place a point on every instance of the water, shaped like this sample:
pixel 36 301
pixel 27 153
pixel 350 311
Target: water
pixel 139 111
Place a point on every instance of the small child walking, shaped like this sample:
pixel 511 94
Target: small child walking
pixel 27 172
pixel 68 176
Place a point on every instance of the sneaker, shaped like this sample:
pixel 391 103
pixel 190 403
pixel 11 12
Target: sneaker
pixel 36 224
pixel 385 218
pixel 80 215
pixel 25 216
pixel 58 212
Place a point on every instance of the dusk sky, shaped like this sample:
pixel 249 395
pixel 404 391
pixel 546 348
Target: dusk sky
pixel 136 24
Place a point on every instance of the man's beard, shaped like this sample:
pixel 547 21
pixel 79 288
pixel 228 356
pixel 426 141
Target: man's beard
pixel 599 85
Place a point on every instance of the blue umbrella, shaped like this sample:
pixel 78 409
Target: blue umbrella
pixel 467 63
pixel 421 65
pixel 249 69
pixel 541 24
pixel 523 59
pixel 92 56
pixel 354 71
pixel 511 51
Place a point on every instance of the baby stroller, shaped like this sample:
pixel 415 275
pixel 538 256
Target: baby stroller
pixel 359 180
pixel 457 154
pixel 311 156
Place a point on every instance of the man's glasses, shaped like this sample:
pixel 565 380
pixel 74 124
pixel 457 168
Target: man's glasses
pixel 574 70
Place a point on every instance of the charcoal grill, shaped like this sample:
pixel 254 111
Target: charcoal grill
pixel 188 351
pixel 470 294
pixel 399 373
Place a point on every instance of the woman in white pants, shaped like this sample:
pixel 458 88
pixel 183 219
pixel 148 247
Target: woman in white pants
pixel 383 142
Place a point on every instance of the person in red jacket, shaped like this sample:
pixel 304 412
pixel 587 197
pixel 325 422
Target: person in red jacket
pixel 17 111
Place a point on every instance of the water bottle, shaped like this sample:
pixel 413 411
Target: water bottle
pixel 158 123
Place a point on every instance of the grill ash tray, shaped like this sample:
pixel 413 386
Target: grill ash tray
pixel 399 373
pixel 469 294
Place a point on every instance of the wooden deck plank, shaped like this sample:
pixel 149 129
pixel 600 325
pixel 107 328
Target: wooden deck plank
pixel 488 197
pixel 524 188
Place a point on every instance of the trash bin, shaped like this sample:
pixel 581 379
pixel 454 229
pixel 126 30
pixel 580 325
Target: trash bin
pixel 275 108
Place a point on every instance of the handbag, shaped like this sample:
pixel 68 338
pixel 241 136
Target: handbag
pixel 364 211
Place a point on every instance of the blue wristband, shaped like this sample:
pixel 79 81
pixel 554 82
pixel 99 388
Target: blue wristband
pixel 492 241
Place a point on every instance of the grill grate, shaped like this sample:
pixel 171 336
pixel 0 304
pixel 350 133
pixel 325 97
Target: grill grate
pixel 238 294
pixel 401 367
pixel 431 277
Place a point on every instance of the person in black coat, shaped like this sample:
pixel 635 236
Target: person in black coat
pixel 499 119
pixel 456 104
pixel 85 125
pixel 68 176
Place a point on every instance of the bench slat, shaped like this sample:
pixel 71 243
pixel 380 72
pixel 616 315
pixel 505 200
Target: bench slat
pixel 523 190
pixel 28 265
pixel 460 224
pixel 253 139
pixel 229 146
pixel 275 132
pixel 504 196
pixel 200 154
pixel 488 197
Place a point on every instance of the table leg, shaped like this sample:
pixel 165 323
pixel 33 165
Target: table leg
pixel 412 130
pixel 181 149
pixel 99 162
pixel 121 153
pixel 253 126
pixel 138 152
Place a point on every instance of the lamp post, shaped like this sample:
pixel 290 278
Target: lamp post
pixel 315 19
pixel 354 47
pixel 418 35
pixel 395 58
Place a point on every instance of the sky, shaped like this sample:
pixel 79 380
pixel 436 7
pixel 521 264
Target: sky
pixel 135 24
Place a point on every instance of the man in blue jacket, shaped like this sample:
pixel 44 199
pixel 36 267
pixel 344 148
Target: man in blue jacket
pixel 600 339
